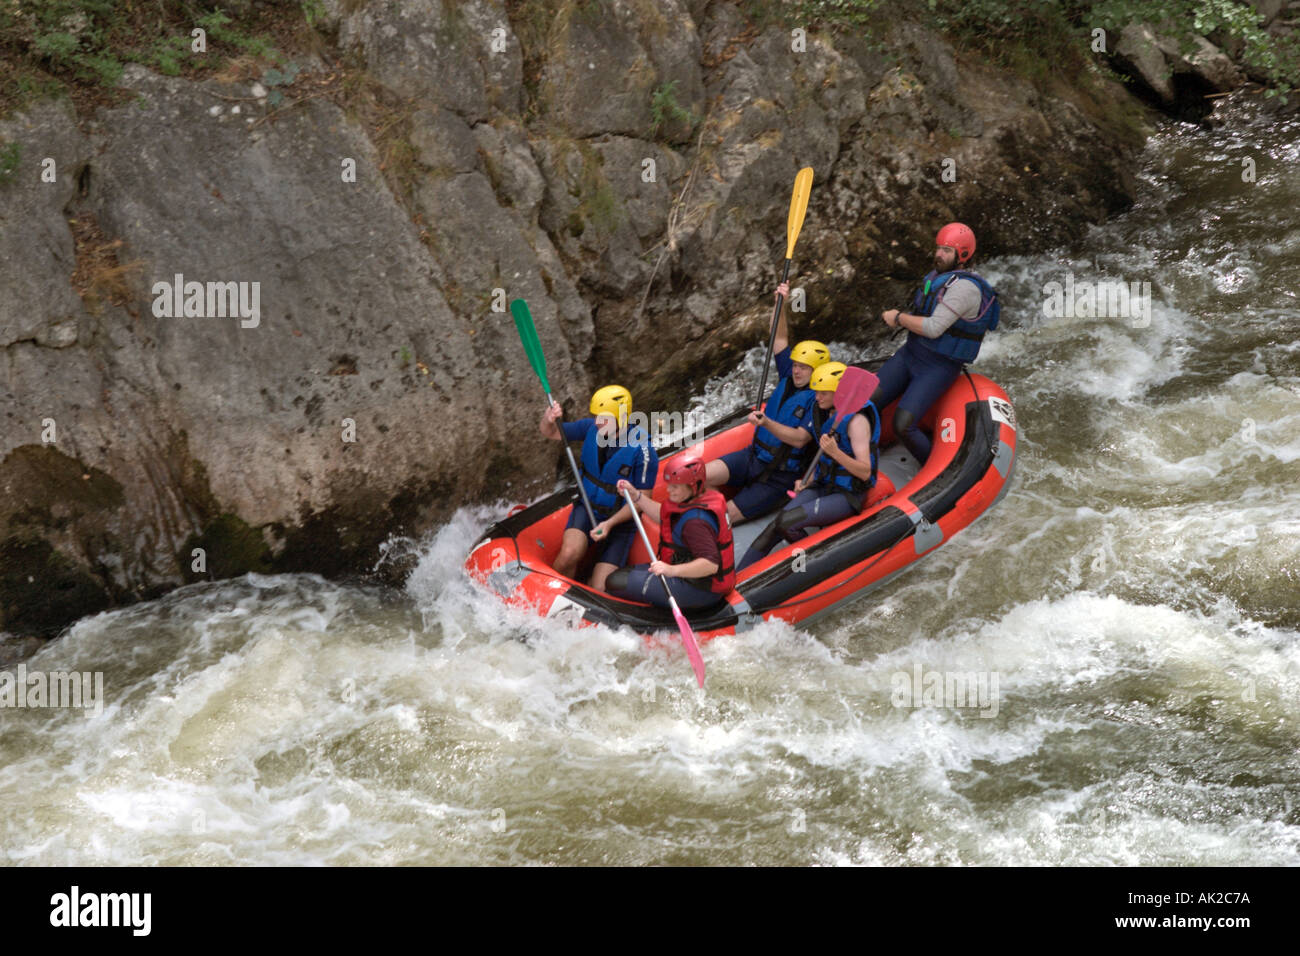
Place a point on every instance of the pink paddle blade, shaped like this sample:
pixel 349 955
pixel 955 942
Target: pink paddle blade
pixel 688 641
pixel 688 636
pixel 854 391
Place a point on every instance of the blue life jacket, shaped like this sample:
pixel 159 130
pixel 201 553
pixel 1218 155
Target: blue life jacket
pixel 633 459
pixel 961 341
pixel 786 405
pixel 830 469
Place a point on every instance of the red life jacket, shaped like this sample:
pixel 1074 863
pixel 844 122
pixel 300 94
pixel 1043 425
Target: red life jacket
pixel 672 547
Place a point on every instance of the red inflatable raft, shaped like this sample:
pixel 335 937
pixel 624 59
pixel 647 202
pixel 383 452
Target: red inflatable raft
pixel 912 511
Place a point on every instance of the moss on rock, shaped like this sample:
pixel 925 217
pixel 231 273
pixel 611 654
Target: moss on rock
pixel 41 591
pixel 230 548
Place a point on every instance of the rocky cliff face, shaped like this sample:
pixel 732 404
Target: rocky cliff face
pixel 625 167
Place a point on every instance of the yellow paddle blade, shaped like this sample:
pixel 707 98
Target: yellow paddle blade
pixel 798 207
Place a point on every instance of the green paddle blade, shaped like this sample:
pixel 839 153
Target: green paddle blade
pixel 528 336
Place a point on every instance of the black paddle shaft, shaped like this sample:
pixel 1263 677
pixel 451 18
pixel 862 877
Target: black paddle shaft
pixel 771 337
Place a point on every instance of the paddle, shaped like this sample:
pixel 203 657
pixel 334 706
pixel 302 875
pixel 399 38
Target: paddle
pixel 688 635
pixel 853 391
pixel 533 349
pixel 798 207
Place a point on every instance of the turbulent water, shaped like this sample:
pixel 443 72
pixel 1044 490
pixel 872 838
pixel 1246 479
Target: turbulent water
pixel 1132 608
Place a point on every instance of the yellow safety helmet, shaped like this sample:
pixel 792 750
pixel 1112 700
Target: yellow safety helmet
pixel 810 352
pixel 826 377
pixel 612 400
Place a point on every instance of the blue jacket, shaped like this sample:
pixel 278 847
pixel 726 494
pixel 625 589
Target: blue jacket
pixel 828 469
pixel 786 405
pixel 961 341
pixel 634 459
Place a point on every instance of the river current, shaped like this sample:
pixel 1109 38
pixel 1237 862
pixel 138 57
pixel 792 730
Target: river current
pixel 1129 614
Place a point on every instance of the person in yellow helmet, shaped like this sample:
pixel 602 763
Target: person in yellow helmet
pixel 846 471
pixel 766 470
pixel 610 451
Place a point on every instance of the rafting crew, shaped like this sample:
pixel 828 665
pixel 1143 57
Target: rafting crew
pixel 954 308
pixel 611 452
pixel 765 471
pixel 844 476
pixel 695 554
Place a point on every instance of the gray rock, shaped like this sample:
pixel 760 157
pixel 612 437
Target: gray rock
pixel 1139 50
pixel 610 61
pixel 593 203
pixel 1204 60
pixel 1268 9
pixel 1155 59
pixel 443 142
pixel 511 166
pixel 193 418
pixel 58 335
pixel 35 243
pixel 269 205
pixel 930 56
pixel 462 56
pixel 489 247
pixel 639 173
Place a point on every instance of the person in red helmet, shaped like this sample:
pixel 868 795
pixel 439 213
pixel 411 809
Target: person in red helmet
pixel 953 309
pixel 695 555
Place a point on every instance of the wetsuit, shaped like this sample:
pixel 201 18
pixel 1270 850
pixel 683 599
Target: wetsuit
pixel 835 494
pixel 766 470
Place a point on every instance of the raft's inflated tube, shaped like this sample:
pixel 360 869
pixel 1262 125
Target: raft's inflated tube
pixel 969 469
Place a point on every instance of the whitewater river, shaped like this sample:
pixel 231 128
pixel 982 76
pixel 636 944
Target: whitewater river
pixel 1135 597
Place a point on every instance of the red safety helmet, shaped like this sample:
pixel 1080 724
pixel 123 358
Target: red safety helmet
pixel 689 472
pixel 959 236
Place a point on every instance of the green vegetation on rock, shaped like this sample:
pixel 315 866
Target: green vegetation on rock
pixel 230 546
pixel 10 156
pixel 48 45
pixel 1276 57
pixel 664 107
pixel 1045 38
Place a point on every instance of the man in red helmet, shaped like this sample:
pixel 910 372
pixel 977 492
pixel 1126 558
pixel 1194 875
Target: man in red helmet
pixel 695 555
pixel 954 307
